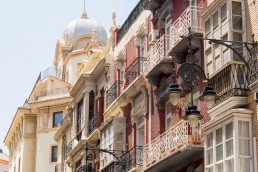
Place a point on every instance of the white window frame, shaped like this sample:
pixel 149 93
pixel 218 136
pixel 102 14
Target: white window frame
pixel 235 156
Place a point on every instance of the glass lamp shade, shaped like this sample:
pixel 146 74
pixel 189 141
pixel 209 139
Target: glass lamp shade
pixel 174 98
pixel 174 93
pixel 208 97
pixel 193 120
pixel 193 116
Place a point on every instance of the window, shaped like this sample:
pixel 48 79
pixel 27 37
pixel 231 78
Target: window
pixel 57 118
pixel 222 149
pixel 207 26
pixel 79 115
pixel 167 33
pixel 215 20
pixel 237 15
pixel 140 130
pixel 54 154
pixel 224 12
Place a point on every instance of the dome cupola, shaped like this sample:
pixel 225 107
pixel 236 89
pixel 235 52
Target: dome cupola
pixel 84 26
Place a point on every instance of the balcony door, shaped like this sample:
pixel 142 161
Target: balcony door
pixel 140 131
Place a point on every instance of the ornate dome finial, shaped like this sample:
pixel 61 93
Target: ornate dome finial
pixel 84 15
pixel 114 18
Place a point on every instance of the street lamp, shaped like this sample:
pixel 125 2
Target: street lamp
pixel 191 74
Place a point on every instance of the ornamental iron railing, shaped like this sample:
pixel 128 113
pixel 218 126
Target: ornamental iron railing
pixel 157 53
pixel 191 17
pixel 69 147
pixel 113 167
pixel 162 90
pixel 170 142
pixel 114 92
pixel 95 122
pixel 85 168
pixel 230 82
pixel 133 158
pixel 136 69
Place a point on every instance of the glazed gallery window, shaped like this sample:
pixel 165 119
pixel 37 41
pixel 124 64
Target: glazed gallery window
pixel 224 150
pixel 57 118
pixel 54 154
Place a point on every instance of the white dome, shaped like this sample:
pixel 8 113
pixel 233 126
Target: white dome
pixel 83 26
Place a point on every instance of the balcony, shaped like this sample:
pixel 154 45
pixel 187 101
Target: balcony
pixel 161 91
pixel 85 168
pixel 174 142
pixel 69 147
pixel 191 17
pixel 51 72
pixel 136 69
pixel 114 92
pixel 158 62
pixel 132 159
pixel 59 167
pixel 231 81
pixel 95 122
pixel 52 93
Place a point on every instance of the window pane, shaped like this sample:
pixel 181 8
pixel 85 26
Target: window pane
pixel 209 140
pixel 230 165
pixel 229 148
pixel 244 150
pixel 224 12
pixel 245 165
pixel 219 167
pixel 210 169
pixel 218 135
pixel 207 26
pixel 57 118
pixel 243 129
pixel 229 131
pixel 237 15
pixel 54 154
pixel 168 121
pixel 209 158
pixel 215 19
pixel 219 152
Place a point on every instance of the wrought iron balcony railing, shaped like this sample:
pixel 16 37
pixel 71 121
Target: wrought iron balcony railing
pixel 85 168
pixel 157 53
pixel 133 158
pixel 230 82
pixel 95 122
pixel 69 147
pixel 170 142
pixel 136 69
pixel 59 167
pixel 113 167
pixel 51 71
pixel 191 17
pixel 114 92
pixel 253 70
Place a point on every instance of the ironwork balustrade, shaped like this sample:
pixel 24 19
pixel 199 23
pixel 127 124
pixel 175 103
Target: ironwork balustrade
pixel 59 167
pixel 191 17
pixel 135 70
pixel 170 142
pixel 230 81
pixel 157 53
pixel 133 158
pixel 113 167
pixel 114 92
pixel 253 64
pixel 95 122
pixel 164 85
pixel 69 147
pixel 85 168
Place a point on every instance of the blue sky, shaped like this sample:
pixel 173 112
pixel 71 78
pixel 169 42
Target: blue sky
pixel 29 30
